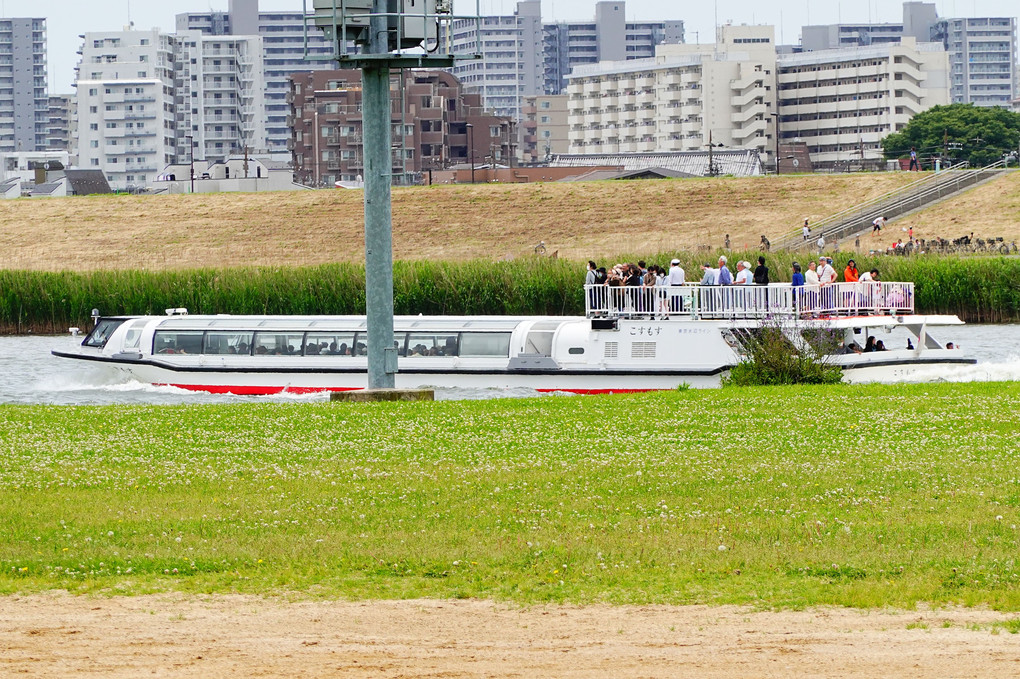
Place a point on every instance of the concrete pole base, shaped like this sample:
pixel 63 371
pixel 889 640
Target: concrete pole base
pixel 381 395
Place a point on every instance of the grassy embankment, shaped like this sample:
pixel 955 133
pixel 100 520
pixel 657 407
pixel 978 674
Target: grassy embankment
pixel 979 289
pixel 859 496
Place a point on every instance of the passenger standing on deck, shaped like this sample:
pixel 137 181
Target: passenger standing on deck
pixel 709 276
pixel 724 277
pixel 850 273
pixel 743 274
pixel 675 279
pixel 590 280
pixel 761 272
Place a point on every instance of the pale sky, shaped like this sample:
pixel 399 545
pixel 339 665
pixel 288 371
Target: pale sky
pixel 67 19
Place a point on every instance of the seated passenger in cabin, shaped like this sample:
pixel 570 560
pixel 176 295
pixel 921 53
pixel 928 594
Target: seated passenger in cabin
pixel 869 345
pixel 261 350
pixel 880 346
pixel 242 348
pixel 451 347
pixel 333 351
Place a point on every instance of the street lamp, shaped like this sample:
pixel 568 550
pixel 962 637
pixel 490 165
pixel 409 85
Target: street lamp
pixel 471 149
pixel 776 116
pixel 191 139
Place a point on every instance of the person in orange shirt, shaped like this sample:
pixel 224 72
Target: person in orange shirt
pixel 850 273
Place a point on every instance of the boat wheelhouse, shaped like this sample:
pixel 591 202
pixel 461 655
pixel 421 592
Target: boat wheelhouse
pixel 631 339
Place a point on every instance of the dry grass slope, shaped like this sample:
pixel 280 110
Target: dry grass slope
pixel 580 220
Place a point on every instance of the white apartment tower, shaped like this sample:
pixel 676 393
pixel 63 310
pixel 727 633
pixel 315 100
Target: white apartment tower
pixel 684 98
pixel 125 105
pixel 842 102
pixel 220 96
pixel 146 99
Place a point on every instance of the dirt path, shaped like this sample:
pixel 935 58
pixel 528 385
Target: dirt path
pixel 234 636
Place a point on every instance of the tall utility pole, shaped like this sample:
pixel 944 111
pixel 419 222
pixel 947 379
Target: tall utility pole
pixel 381 28
pixel 375 87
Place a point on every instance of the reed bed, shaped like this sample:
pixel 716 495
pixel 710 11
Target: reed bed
pixel 979 289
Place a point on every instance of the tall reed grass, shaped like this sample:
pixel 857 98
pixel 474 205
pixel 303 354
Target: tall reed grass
pixel 979 289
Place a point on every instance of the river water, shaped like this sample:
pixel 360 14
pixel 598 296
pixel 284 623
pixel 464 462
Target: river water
pixel 29 374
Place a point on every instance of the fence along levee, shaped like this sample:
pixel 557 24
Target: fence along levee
pixel 918 194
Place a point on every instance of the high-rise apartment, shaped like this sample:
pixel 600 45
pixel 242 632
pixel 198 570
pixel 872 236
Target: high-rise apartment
pixel 283 44
pixel 524 57
pixel 146 99
pixel 125 105
pixel 982 59
pixel 58 126
pixel 610 37
pixel 843 102
pixel 24 105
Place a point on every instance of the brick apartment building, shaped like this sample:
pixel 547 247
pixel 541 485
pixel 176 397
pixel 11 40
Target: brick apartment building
pixel 435 126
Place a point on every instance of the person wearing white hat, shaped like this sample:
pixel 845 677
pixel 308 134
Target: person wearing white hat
pixel 675 279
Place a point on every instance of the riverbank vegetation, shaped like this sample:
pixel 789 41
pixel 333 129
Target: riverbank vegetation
pixel 978 289
pixel 773 497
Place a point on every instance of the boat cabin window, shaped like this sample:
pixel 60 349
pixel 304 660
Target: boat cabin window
pixel 100 334
pixel 133 336
pixel 227 343
pixel 329 343
pixel 278 343
pixel 422 344
pixel 485 344
pixel 177 342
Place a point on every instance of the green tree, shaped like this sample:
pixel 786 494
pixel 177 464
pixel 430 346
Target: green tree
pixel 980 135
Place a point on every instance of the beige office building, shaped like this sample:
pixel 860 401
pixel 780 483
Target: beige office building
pixel 842 102
pixel 680 100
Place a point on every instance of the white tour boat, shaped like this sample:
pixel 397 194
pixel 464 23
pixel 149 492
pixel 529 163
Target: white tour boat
pixel 631 339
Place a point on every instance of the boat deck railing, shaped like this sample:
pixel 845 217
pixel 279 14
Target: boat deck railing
pixel 749 301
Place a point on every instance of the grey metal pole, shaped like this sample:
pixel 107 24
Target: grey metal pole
pixel 375 79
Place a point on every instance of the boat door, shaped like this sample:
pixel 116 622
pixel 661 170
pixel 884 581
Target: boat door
pixel 535 349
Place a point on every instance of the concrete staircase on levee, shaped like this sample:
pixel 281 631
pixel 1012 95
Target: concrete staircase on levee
pixel 919 194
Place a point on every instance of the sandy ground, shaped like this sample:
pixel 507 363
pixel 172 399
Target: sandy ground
pixel 229 636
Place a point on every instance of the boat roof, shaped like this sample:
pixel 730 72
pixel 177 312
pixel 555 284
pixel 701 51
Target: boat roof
pixel 351 323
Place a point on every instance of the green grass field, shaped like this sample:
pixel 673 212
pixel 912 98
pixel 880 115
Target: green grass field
pixel 773 497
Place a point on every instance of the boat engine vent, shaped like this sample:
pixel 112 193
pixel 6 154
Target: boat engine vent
pixel 642 350
pixel 612 350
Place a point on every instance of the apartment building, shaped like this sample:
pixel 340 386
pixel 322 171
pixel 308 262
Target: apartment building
pixel 220 95
pixel 545 129
pixel 24 105
pixel 982 51
pixel 125 99
pixel 609 37
pixel 284 44
pixel 511 66
pixel 438 126
pixel 146 99
pixel 522 56
pixel 843 102
pixel 683 99
pixel 58 124
pixel 982 58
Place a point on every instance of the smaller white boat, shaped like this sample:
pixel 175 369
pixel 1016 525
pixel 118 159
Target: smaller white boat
pixel 631 339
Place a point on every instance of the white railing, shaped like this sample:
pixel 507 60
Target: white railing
pixel 749 301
